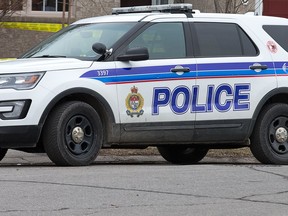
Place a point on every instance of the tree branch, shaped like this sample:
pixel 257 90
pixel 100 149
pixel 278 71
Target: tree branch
pixel 9 7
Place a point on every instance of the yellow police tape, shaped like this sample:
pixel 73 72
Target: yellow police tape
pixel 7 59
pixel 45 27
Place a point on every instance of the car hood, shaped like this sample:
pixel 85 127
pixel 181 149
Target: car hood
pixel 42 64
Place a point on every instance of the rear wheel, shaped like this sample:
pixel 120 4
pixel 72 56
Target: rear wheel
pixel 73 134
pixel 182 154
pixel 269 142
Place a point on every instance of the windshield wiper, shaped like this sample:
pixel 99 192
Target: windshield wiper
pixel 49 56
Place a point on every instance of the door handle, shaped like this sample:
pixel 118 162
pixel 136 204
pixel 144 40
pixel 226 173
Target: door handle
pixel 180 69
pixel 258 67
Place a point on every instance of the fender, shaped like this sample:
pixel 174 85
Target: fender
pixel 263 101
pixel 107 116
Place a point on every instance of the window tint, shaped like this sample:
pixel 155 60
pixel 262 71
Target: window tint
pixel 163 40
pixel 279 34
pixel 76 41
pixel 223 40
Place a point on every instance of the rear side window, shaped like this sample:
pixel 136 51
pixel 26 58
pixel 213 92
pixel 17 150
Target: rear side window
pixel 279 34
pixel 223 40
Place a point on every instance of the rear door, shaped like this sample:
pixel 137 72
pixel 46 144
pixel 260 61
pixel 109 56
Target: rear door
pixel 234 72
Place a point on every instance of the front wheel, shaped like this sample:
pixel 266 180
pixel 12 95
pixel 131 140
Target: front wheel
pixel 73 134
pixel 269 141
pixel 182 154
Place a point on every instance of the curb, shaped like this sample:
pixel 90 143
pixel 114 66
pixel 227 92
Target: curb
pixel 18 158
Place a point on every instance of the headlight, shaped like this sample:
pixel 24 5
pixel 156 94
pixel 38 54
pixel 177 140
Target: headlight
pixel 21 81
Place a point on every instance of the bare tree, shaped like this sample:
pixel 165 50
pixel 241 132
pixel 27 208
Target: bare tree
pixel 232 6
pixel 222 6
pixel 89 7
pixel 217 6
pixel 9 7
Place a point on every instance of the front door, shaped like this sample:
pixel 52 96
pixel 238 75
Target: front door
pixel 155 95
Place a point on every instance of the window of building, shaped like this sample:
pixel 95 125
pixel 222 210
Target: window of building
pixel 223 40
pixel 159 2
pixel 130 3
pixel 49 5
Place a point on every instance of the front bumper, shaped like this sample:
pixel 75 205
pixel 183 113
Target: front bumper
pixel 19 136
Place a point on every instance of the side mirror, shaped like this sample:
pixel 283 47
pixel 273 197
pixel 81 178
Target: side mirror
pixel 135 54
pixel 99 48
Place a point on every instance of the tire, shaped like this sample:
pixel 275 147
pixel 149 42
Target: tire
pixel 64 148
pixel 182 154
pixel 269 141
pixel 3 152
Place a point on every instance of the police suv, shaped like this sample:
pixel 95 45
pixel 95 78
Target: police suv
pixel 163 76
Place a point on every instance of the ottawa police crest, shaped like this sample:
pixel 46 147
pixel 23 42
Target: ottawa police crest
pixel 134 103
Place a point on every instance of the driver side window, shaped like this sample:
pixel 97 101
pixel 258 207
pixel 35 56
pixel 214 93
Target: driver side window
pixel 163 41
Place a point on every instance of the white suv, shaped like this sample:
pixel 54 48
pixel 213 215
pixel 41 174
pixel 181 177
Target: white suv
pixel 162 76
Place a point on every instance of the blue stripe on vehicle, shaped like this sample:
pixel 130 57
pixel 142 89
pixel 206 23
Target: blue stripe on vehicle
pixel 214 70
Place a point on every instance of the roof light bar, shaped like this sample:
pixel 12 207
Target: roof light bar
pixel 168 8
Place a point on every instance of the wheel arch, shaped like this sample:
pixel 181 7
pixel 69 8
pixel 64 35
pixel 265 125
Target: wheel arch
pixel 88 96
pixel 279 95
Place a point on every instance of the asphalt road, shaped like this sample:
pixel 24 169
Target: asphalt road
pixel 141 185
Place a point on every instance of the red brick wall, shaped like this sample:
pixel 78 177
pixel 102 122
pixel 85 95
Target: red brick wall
pixel 14 42
pixel 275 8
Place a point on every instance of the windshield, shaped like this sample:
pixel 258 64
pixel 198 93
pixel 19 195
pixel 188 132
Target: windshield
pixel 76 41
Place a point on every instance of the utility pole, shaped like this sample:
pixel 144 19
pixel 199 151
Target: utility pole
pixel 63 13
pixel 70 3
pixel 259 7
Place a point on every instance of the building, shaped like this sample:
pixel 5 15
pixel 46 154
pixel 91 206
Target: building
pixel 34 20
pixel 272 8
